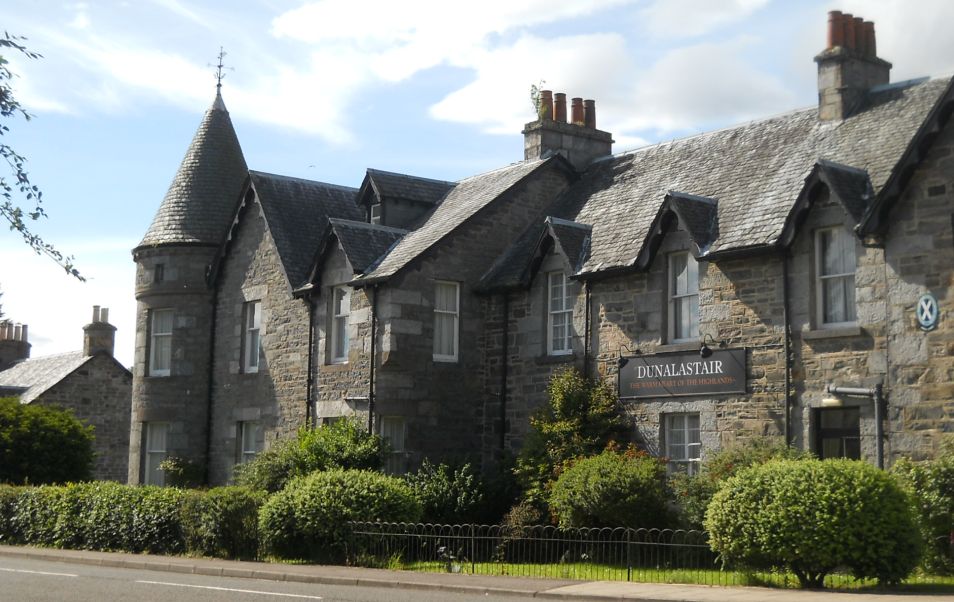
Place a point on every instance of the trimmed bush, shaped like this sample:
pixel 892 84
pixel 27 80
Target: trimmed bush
pixel 612 489
pixel 448 496
pixel 693 493
pixel 812 516
pixel 308 518
pixel 100 516
pixel 931 484
pixel 222 522
pixel 342 444
pixel 41 445
pixel 580 419
pixel 8 504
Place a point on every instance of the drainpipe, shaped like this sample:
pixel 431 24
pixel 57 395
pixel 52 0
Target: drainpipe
pixel 504 374
pixel 877 395
pixel 374 330
pixel 586 330
pixel 208 422
pixel 788 351
pixel 311 417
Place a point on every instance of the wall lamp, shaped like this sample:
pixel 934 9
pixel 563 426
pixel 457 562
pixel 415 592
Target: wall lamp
pixel 622 361
pixel 705 350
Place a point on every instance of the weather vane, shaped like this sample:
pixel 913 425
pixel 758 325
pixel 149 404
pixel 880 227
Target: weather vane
pixel 219 76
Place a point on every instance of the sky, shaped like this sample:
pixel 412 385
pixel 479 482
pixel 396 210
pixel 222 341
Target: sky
pixel 326 89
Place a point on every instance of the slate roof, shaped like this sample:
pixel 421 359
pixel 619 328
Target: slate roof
pixel 205 190
pixel 35 376
pixel 463 201
pixel 516 267
pixel 756 171
pixel 412 188
pixel 851 187
pixel 295 211
pixel 363 243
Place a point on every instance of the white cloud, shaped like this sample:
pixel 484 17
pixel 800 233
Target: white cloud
pixel 914 37
pixel 591 66
pixel 698 86
pixel 688 18
pixel 57 309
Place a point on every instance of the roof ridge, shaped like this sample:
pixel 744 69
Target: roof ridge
pixel 504 168
pixel 406 175
pixel 298 179
pixel 369 226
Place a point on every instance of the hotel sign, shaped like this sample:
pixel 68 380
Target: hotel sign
pixel 676 374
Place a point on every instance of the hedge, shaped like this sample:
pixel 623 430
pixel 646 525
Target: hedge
pixel 308 518
pixel 41 445
pixel 812 516
pixel 108 516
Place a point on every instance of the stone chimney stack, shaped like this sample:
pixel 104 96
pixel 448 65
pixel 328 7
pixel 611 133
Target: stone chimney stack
pixel 578 141
pixel 99 336
pixel 848 67
pixel 13 343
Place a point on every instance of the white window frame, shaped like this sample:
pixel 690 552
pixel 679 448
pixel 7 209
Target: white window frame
pixel 159 339
pixel 388 427
pixel 252 344
pixel 455 319
pixel 249 440
pixel 376 213
pixel 673 298
pixel 685 454
pixel 340 316
pixel 840 236
pixel 564 313
pixel 153 453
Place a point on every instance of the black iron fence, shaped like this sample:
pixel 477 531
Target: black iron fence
pixel 650 555
pixel 642 555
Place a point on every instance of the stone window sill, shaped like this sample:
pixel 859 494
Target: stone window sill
pixel 831 333
pixel 546 360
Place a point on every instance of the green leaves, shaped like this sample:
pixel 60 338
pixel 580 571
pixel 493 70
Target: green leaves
pixel 21 185
pixel 811 516
pixel 43 445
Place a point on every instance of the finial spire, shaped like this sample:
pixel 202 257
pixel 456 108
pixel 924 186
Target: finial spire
pixel 219 76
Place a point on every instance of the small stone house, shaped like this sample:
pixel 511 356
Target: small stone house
pixel 788 278
pixel 90 383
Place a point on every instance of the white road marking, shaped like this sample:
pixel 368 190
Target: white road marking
pixel 38 572
pixel 229 589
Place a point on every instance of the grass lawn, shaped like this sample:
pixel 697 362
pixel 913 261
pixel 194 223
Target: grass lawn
pixel 602 572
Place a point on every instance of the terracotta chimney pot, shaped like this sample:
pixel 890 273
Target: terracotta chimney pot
pixel 589 113
pixel 576 111
pixel 559 107
pixel 546 104
pixel 836 31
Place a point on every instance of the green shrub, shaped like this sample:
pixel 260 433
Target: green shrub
pixel 448 496
pixel 222 522
pixel 693 493
pixel 342 444
pixel 931 484
pixel 100 516
pixel 308 518
pixel 812 516
pixel 579 420
pixel 40 445
pixel 612 489
pixel 8 504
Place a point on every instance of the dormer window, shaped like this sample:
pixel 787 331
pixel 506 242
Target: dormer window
pixel 375 213
pixel 835 262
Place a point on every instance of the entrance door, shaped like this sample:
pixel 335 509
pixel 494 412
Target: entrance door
pixel 837 433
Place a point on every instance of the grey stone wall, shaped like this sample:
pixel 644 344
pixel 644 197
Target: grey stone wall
pixel 275 395
pixel 342 389
pixel 180 399
pixel 98 393
pixel 920 259
pixel 443 403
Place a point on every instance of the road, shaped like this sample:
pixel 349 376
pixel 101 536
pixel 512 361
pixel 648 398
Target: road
pixel 30 580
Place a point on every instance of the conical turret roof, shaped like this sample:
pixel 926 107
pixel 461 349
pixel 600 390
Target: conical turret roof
pixel 200 202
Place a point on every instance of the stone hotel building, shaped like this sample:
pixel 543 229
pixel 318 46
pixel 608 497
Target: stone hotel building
pixel 788 278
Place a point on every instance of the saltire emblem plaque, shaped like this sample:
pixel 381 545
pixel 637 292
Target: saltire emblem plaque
pixel 927 312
